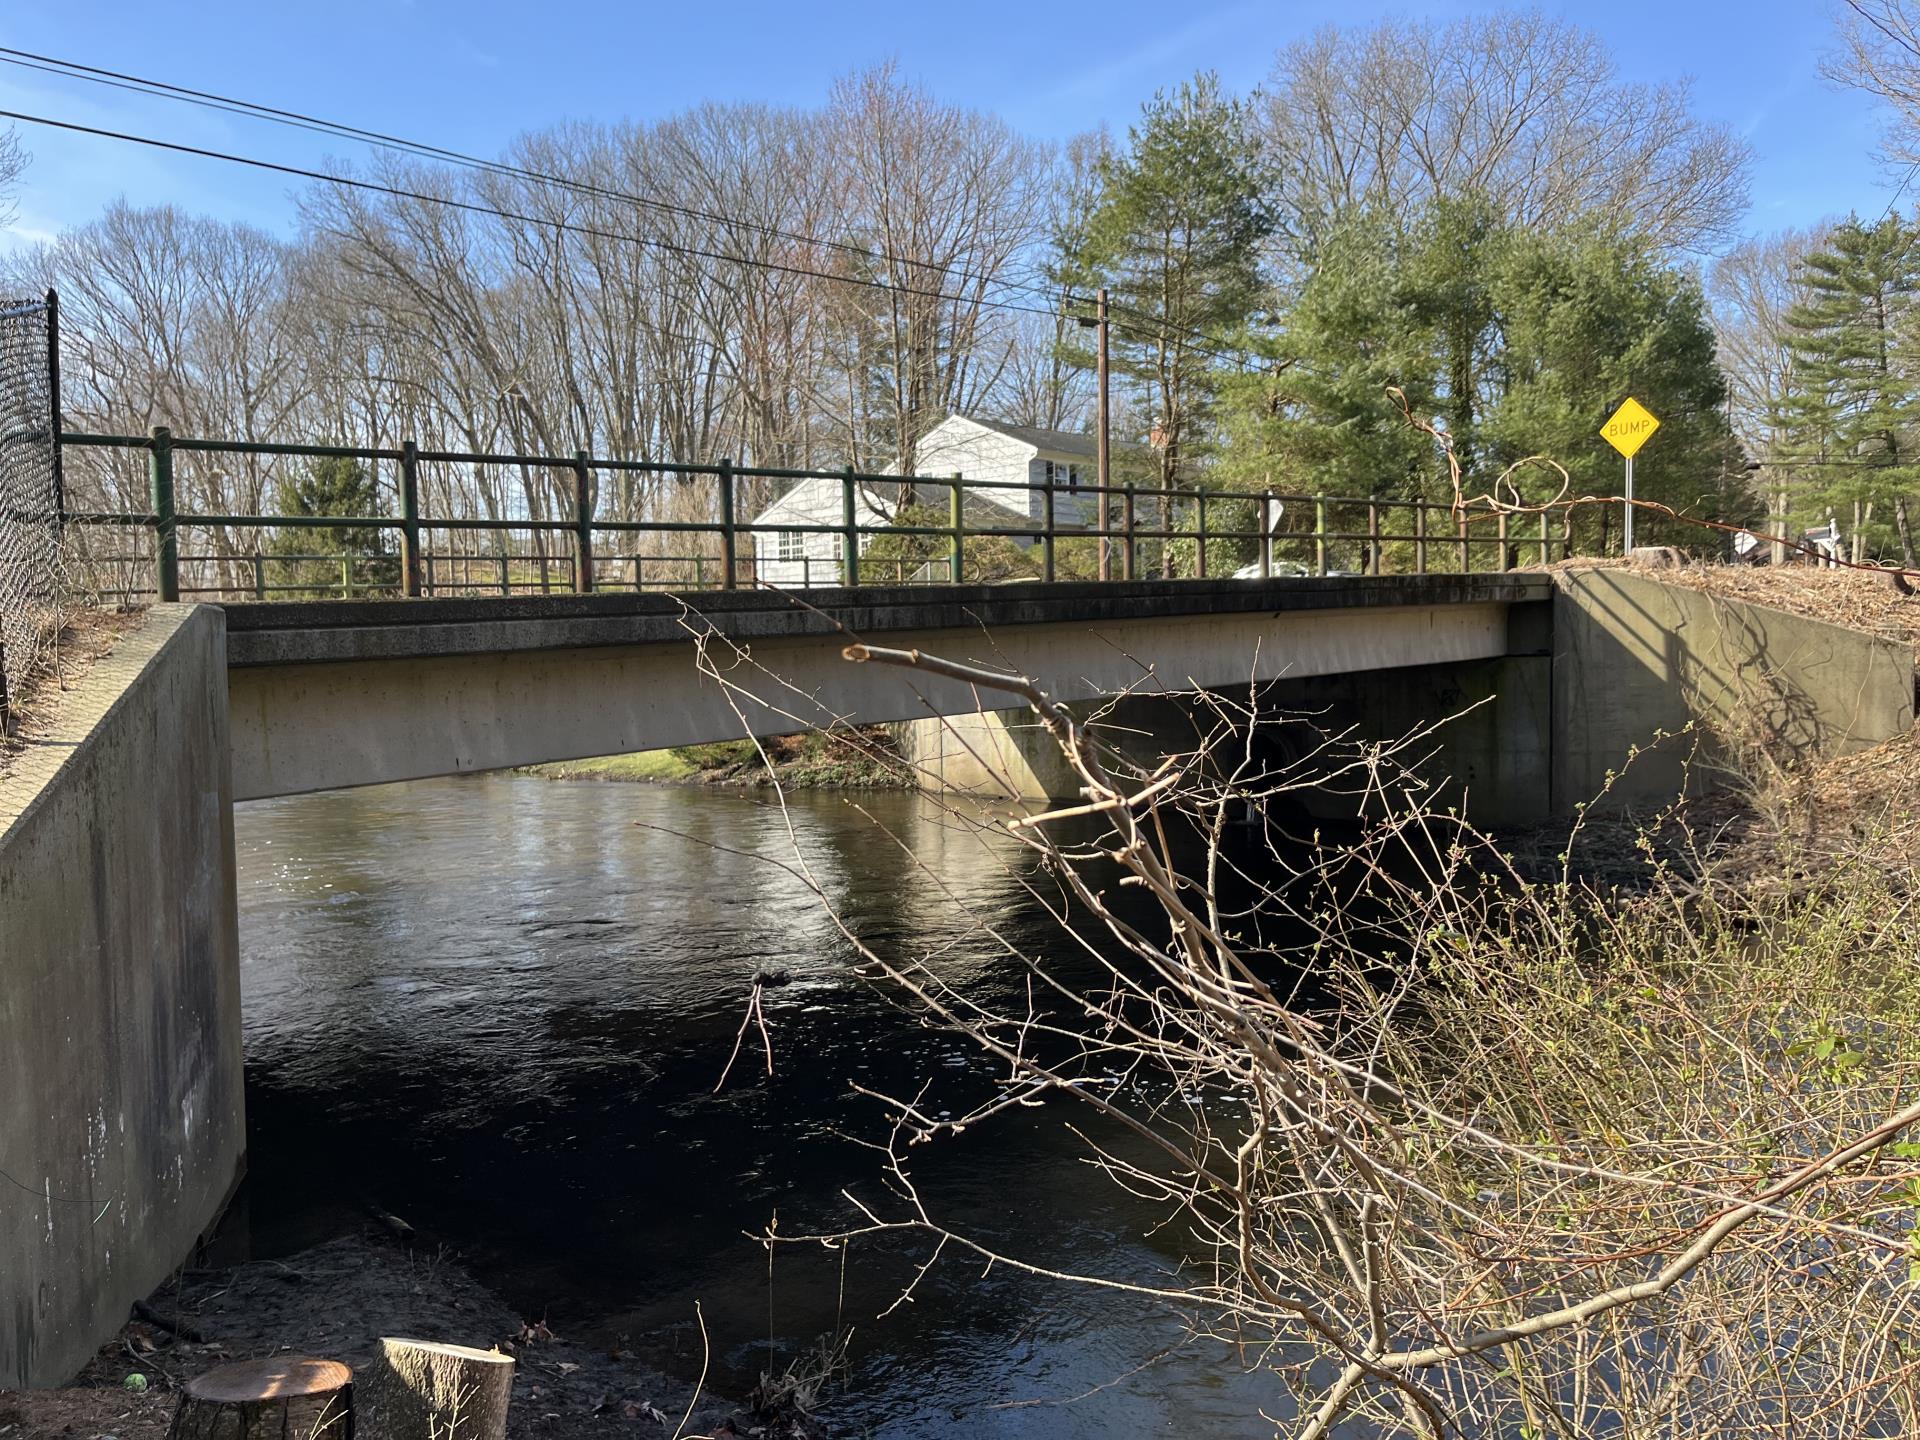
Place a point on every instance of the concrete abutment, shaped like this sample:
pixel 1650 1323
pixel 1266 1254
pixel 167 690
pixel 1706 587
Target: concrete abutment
pixel 122 1128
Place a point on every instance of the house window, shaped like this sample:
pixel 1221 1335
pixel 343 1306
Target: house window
pixel 789 545
pixel 1063 476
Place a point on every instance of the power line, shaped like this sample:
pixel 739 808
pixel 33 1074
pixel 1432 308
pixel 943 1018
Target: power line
pixel 160 89
pixel 400 192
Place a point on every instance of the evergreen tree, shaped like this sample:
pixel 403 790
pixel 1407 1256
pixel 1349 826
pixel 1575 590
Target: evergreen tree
pixel 1847 423
pixel 1175 235
pixel 1518 342
pixel 333 485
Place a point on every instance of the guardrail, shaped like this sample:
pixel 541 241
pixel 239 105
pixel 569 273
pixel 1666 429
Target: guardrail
pixel 1122 525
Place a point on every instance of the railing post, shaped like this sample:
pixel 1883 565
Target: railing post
pixel 1373 537
pixel 582 523
pixel 259 576
pixel 849 529
pixel 1265 527
pixel 427 585
pixel 1200 532
pixel 1048 531
pixel 1127 540
pixel 956 518
pixel 1419 537
pixel 410 519
pixel 1320 534
pixel 728 541
pixel 166 546
pixel 1546 541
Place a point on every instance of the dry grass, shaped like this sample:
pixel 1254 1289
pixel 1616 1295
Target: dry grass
pixel 83 640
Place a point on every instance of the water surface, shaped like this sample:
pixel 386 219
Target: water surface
pixel 499 1007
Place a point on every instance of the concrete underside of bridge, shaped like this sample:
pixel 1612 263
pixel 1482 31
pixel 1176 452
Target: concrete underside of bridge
pixel 119 978
pixel 326 696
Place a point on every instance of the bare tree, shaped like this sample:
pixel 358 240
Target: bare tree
pixel 1560 1163
pixel 1523 107
pixel 1751 289
pixel 13 164
pixel 946 201
pixel 1880 54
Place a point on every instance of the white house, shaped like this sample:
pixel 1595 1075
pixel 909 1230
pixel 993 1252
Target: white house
pixel 975 450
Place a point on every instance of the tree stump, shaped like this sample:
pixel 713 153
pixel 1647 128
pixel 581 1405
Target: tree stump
pixel 420 1390
pixel 258 1398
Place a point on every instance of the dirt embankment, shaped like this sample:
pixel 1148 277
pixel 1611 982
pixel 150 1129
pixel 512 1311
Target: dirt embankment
pixel 335 1301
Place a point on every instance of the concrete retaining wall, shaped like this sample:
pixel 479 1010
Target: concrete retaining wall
pixel 1634 657
pixel 121 1120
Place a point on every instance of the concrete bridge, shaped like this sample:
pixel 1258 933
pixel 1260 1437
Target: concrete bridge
pixel 324 695
pixel 119 957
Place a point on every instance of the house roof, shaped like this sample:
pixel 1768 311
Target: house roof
pixel 1060 442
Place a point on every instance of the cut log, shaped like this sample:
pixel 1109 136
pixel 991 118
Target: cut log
pixel 422 1390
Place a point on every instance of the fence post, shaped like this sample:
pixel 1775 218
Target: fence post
pixel 849 529
pixel 583 524
pixel 1200 532
pixel 728 541
pixel 1048 530
pixel 410 519
pixel 1127 541
pixel 1320 534
pixel 1419 537
pixel 53 407
pixel 166 548
pixel 956 518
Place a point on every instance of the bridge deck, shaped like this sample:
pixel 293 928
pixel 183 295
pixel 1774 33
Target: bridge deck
pixel 292 633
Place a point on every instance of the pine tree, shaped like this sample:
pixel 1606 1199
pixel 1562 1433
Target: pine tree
pixel 1519 342
pixel 1175 235
pixel 333 485
pixel 1847 423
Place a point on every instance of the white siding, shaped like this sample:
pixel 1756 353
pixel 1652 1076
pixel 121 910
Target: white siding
pixel 956 446
pixel 813 502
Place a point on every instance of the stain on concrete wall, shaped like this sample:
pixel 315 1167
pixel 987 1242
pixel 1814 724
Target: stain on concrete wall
pixel 121 1111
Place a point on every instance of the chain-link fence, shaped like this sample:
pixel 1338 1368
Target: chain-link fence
pixel 30 587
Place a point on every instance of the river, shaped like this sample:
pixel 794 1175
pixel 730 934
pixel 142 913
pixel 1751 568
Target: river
pixel 498 1006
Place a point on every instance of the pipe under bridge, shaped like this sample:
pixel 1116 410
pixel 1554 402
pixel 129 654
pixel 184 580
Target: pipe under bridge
pixel 328 694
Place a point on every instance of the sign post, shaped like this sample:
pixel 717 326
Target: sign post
pixel 1627 429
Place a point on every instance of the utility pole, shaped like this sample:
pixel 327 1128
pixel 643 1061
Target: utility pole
pixel 1103 462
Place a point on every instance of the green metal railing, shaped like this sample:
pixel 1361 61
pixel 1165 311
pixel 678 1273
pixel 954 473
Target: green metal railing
pixel 597 552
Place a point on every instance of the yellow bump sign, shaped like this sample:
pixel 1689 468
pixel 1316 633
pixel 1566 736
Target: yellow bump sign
pixel 1630 427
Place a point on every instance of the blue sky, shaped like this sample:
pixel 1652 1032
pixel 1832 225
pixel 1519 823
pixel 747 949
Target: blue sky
pixel 470 75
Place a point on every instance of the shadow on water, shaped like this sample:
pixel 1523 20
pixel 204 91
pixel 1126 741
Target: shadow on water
pixel 498 1007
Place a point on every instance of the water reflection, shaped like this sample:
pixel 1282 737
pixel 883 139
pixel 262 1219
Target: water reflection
pixel 499 1007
